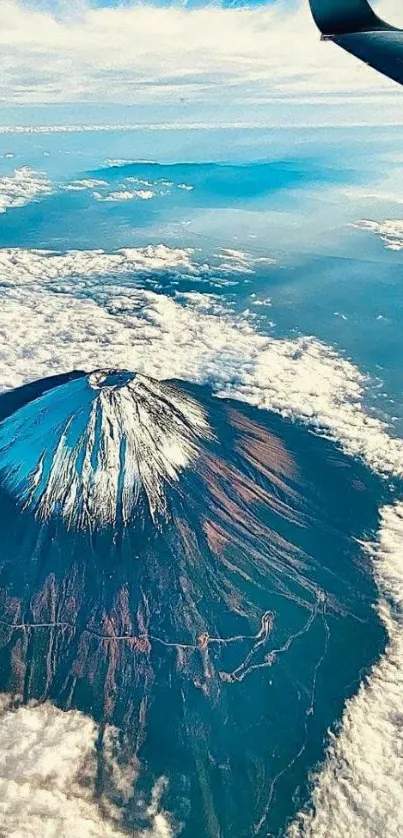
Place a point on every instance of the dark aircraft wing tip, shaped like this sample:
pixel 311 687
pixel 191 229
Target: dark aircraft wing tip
pixel 354 26
pixel 344 17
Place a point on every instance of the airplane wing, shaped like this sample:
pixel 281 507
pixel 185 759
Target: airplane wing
pixel 353 25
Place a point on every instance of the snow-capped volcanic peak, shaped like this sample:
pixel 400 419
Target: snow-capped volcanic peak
pixel 89 449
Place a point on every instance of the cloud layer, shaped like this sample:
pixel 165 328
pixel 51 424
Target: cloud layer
pixel 144 53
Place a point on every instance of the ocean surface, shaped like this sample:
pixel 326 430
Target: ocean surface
pixel 256 570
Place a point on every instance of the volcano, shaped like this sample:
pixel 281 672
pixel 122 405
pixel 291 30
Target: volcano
pixel 189 570
pixel 111 440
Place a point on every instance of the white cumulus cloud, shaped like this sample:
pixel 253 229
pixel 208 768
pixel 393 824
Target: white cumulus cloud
pixel 125 195
pixel 21 187
pixel 390 231
pixel 48 769
pixel 84 184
